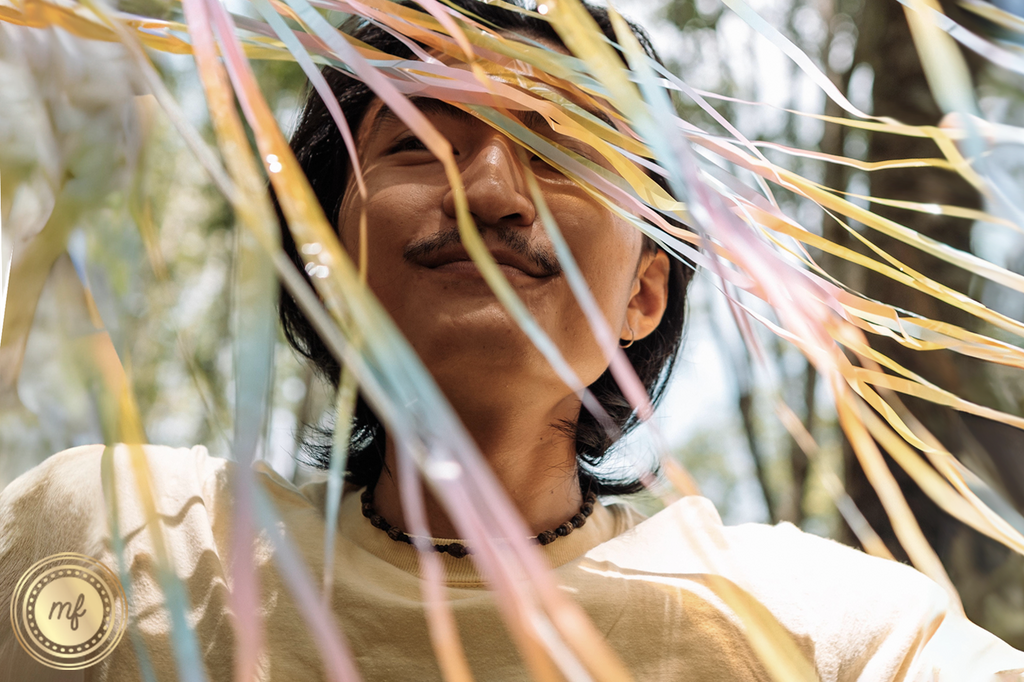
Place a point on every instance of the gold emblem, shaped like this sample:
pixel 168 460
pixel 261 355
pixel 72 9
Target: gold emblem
pixel 68 611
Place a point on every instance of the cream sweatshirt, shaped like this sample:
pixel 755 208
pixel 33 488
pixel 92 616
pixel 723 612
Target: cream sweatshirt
pixel 651 587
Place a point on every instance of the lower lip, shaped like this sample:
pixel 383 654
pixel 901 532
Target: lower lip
pixel 467 269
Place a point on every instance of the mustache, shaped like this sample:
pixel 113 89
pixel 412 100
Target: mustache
pixel 510 237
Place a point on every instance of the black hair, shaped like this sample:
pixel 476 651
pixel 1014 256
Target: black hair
pixel 321 153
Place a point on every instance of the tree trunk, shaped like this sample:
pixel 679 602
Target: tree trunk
pixel 987 575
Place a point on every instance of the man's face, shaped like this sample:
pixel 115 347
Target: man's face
pixel 419 270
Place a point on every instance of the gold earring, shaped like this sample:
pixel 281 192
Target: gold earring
pixel 632 337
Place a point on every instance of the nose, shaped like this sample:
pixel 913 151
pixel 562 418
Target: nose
pixel 495 186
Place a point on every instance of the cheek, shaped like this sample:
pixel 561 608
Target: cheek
pixel 396 213
pixel 385 208
pixel 347 220
pixel 606 250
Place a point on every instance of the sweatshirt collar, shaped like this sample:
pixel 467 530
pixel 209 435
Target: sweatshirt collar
pixel 600 527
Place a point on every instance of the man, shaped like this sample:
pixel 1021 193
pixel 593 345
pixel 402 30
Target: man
pixel 674 596
pixel 516 408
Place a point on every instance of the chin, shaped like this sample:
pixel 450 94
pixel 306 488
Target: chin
pixel 484 344
pixel 490 349
pixel 458 328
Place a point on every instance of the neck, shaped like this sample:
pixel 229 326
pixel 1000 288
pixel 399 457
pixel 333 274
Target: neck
pixel 533 460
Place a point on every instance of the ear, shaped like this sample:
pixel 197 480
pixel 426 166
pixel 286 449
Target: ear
pixel 648 298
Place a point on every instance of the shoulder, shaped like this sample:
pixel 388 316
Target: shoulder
pixel 76 473
pixel 850 611
pixel 864 611
pixel 875 617
pixel 67 504
pixel 60 505
pixel 689 535
pixel 52 505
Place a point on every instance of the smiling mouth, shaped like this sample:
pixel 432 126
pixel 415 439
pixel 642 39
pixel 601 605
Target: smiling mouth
pixel 515 256
pixel 469 269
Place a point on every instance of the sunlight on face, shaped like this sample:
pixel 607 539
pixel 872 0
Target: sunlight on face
pixel 422 274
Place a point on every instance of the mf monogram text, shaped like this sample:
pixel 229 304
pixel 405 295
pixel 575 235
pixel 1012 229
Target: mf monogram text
pixel 73 614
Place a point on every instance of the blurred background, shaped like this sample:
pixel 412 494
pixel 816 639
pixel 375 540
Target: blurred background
pixel 167 302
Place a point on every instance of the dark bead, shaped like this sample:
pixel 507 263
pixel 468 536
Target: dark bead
pixel 578 520
pixel 367 497
pixel 377 521
pixel 587 509
pixel 546 538
pixel 457 550
pixel 394 533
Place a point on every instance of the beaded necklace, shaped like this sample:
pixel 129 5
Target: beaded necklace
pixel 459 550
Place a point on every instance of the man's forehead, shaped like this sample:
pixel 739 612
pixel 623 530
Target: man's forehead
pixel 379 114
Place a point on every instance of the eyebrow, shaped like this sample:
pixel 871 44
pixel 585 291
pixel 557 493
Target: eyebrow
pixel 596 113
pixel 428 105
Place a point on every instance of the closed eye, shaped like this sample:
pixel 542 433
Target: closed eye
pixel 407 144
pixel 580 149
pixel 584 150
pixel 543 167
